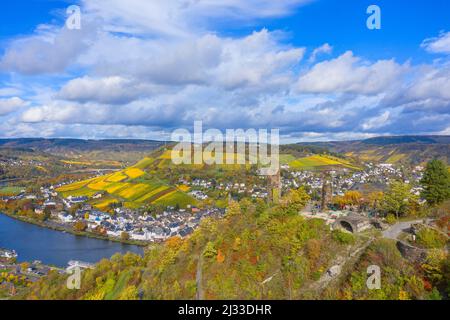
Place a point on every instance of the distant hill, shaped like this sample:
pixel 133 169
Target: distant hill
pixel 392 149
pixel 408 139
pixel 80 144
pixel 126 150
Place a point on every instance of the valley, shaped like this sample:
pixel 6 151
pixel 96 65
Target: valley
pixel 206 226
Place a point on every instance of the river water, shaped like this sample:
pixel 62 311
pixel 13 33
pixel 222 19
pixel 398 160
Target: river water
pixel 56 248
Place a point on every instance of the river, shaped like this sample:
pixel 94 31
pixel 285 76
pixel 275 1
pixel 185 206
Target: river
pixel 56 248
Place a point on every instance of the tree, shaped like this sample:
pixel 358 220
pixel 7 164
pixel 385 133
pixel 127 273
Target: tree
pixel 436 182
pixel 24 266
pixel 125 236
pixel 293 202
pixel 233 209
pixel 374 199
pixel 398 199
pixel 80 226
pixel 352 198
pixel 210 250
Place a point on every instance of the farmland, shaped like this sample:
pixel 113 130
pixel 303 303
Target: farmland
pixel 10 191
pixel 146 182
pixel 132 186
pixel 315 162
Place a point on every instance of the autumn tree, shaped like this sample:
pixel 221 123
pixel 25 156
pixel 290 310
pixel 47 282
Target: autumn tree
pixel 124 236
pixel 233 209
pixel 398 199
pixel 352 198
pixel 436 182
pixel 374 199
pixel 80 226
pixel 292 202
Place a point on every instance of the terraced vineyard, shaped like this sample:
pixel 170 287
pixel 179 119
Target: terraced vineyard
pixel 132 186
pixel 139 184
pixel 316 162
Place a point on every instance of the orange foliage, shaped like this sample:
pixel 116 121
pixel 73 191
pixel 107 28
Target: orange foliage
pixel 220 256
pixel 174 243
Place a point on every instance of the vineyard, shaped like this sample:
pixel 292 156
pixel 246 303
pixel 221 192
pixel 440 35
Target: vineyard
pixel 132 186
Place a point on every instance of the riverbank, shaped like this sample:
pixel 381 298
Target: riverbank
pixel 54 248
pixel 57 227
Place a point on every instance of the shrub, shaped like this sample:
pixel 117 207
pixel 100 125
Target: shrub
pixel 343 237
pixel 80 226
pixel 390 218
pixel 430 238
pixel 124 236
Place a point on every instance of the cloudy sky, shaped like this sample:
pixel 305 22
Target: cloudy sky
pixel 140 69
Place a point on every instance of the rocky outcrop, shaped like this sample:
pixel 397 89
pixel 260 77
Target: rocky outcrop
pixel 412 253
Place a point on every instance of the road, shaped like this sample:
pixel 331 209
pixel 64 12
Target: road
pixel 394 231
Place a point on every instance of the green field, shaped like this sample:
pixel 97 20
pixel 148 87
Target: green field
pixel 10 191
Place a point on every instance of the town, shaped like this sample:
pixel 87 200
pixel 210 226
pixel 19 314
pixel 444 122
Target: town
pixel 74 213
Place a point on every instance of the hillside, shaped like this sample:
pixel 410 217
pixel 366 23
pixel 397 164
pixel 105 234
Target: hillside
pixel 79 144
pixel 133 187
pixel 316 162
pixel 151 180
pixel 255 252
pixel 397 149
pixel 89 152
pixel 223 259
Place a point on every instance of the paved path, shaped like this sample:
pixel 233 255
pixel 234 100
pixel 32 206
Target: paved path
pixel 394 231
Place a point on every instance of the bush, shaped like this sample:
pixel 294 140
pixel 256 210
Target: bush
pixel 343 237
pixel 390 218
pixel 80 226
pixel 430 238
pixel 124 236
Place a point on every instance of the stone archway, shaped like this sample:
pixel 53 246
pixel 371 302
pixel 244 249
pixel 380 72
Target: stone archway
pixel 346 226
pixel 353 223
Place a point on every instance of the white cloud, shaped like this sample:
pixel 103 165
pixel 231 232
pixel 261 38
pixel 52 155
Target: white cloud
pixel 323 49
pixel 49 51
pixel 183 17
pixel 159 65
pixel 112 90
pixel 10 105
pixel 377 122
pixel 434 83
pixel 439 44
pixel 256 59
pixel 9 91
pixel 350 74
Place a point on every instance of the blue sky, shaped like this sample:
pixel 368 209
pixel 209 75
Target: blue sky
pixel 140 69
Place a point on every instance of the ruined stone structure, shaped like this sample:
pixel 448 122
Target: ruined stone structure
pixel 274 187
pixel 411 253
pixel 353 223
pixel 327 191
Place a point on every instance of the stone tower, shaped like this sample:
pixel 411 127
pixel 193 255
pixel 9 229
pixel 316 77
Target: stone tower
pixel 327 191
pixel 274 187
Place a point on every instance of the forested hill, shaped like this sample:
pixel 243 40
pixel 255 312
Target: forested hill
pixel 80 145
pixel 255 252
